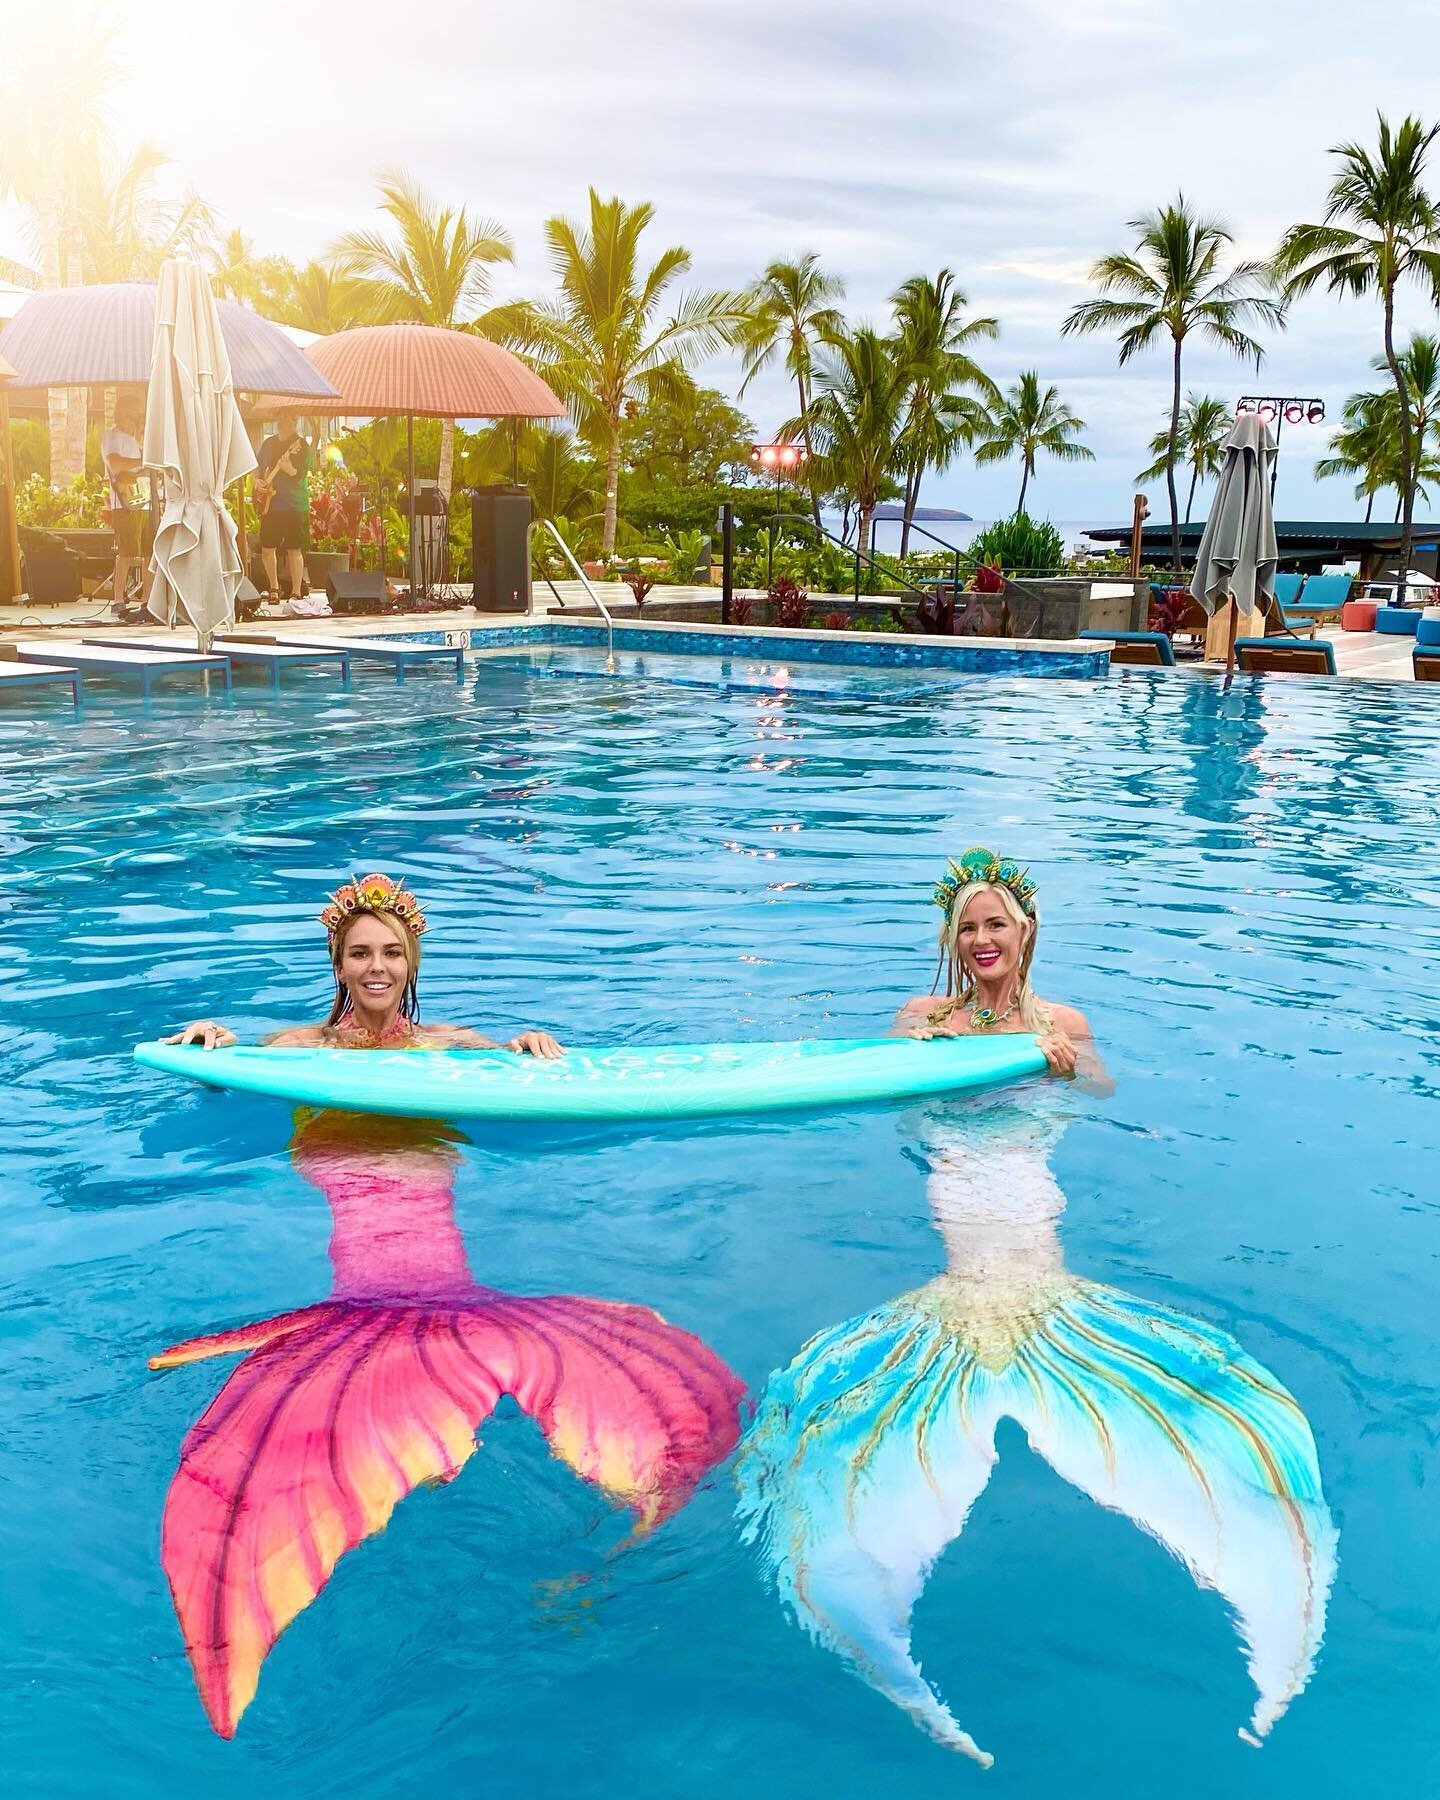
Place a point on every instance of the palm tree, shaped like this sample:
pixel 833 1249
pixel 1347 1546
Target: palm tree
pixel 790 307
pixel 1380 228
pixel 125 229
pixel 62 67
pixel 433 269
pixel 857 417
pixel 1029 419
pixel 321 299
pixel 1368 442
pixel 604 342
pixel 1204 425
pixel 935 341
pixel 1171 282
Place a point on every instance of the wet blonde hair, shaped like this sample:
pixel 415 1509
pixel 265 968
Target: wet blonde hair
pixel 410 999
pixel 1033 1013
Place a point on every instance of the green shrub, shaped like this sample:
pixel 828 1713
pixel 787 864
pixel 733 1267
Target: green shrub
pixel 1021 544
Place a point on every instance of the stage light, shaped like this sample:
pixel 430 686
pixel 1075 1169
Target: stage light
pixel 1294 413
pixel 1316 414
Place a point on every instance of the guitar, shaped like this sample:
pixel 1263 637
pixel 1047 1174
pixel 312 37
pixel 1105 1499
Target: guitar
pixel 263 486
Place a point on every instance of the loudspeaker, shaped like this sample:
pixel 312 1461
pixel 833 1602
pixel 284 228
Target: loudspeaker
pixel 355 590
pixel 500 549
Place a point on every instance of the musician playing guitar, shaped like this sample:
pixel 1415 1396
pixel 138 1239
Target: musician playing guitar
pixel 282 499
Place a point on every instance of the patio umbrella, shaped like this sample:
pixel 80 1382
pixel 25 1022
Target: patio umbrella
pixel 8 524
pixel 103 336
pixel 195 437
pixel 1235 564
pixel 424 371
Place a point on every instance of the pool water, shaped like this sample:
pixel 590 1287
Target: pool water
pixel 1221 1279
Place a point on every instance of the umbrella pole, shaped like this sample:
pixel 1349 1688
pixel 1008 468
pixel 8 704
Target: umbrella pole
pixel 7 474
pixel 410 495
pixel 1234 611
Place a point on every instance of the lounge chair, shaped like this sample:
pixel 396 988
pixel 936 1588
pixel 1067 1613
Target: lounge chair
pixel 1140 649
pixel 1321 597
pixel 1285 656
pixel 1427 665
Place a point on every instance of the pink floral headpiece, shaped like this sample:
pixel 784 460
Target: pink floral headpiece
pixel 373 893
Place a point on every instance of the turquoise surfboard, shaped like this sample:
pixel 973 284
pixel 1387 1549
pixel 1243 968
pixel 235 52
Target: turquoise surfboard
pixel 660 1081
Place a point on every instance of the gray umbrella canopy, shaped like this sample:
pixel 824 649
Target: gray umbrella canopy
pixel 1237 555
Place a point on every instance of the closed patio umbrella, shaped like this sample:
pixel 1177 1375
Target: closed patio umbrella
pixel 195 437
pixel 1235 564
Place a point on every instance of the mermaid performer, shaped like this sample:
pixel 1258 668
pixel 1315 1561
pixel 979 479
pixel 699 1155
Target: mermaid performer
pixel 375 927
pixel 339 1410
pixel 867 1453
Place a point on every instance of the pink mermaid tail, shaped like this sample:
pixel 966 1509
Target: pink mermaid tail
pixel 340 1409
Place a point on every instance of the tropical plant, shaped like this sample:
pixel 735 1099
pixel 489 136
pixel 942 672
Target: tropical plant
pixel 76 503
pixel 1380 228
pixel 1204 425
pixel 432 268
pixel 321 298
pixel 857 416
pixel 125 228
pixel 685 435
pixel 686 551
pixel 949 391
pixel 1027 420
pixel 604 341
pixel 789 603
pixel 1171 283
pixel 1367 445
pixel 1018 544
pixel 61 68
pixel 791 308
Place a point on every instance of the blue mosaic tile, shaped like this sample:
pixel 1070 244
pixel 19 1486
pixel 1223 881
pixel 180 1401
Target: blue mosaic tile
pixel 849 652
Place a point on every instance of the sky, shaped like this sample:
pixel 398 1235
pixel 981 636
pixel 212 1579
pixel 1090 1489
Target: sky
pixel 1009 142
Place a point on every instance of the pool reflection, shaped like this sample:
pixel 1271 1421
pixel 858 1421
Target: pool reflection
pixel 867 1453
pixel 342 1408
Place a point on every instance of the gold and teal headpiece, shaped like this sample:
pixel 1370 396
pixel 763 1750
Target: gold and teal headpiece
pixel 977 866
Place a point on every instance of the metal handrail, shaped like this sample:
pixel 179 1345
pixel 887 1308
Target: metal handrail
pixel 849 549
pixel 584 580
pixel 944 544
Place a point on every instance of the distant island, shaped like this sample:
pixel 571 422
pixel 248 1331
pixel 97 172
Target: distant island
pixel 923 514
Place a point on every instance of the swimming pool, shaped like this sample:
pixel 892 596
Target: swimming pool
pixel 1241 890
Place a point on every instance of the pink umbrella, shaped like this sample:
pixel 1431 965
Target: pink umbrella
pixel 424 371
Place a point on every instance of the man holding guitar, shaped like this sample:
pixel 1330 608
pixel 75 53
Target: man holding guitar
pixel 282 499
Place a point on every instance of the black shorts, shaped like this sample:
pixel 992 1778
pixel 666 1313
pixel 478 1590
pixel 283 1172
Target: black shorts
pixel 284 530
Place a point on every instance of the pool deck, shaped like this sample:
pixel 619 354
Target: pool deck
pixel 1364 656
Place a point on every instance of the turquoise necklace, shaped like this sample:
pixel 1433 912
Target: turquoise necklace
pixel 985 1018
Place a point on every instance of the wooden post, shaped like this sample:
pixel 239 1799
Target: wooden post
pixel 1140 514
pixel 1233 608
pixel 10 523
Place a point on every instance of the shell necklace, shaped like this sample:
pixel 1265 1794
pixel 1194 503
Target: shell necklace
pixel 985 1018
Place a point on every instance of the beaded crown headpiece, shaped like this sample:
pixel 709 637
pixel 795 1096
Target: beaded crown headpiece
pixel 373 893
pixel 983 866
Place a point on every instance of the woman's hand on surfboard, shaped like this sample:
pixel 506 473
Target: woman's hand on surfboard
pixel 206 1033
pixel 536 1043
pixel 1059 1051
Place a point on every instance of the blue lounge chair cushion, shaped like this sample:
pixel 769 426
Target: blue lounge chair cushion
pixel 1157 638
pixel 1321 646
pixel 1287 588
pixel 1427 633
pixel 1325 593
pixel 1397 621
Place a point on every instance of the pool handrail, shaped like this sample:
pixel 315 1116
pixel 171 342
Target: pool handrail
pixel 585 582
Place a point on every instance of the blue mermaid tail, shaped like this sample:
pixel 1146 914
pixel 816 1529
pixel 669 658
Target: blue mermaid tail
pixel 866 1455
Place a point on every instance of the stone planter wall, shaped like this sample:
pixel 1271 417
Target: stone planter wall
pixel 1063 606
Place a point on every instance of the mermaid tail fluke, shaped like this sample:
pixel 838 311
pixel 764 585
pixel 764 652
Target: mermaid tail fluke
pixel 868 1452
pixel 342 1409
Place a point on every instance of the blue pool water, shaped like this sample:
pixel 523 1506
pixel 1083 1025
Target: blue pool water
pixel 1243 891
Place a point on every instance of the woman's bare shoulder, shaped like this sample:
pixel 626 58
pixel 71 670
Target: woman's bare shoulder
pixel 298 1037
pixel 1071 1020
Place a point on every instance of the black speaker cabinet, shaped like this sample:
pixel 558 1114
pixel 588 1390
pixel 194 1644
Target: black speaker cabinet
pixel 500 549
pixel 355 590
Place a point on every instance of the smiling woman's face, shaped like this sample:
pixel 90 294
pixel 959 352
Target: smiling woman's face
pixel 989 938
pixel 373 963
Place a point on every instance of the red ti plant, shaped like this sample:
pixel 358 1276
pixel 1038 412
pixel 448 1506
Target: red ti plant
pixel 789 603
pixel 639 585
pixel 835 621
pixel 989 579
pixel 741 608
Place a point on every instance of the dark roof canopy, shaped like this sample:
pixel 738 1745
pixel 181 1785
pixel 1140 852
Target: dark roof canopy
pixel 1293 537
